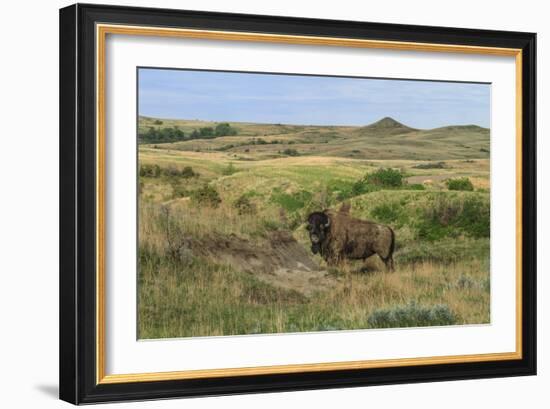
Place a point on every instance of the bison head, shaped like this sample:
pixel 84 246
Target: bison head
pixel 318 225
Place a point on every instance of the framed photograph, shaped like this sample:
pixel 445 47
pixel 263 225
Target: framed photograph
pixel 257 203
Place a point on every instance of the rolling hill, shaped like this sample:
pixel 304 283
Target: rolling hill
pixel 384 139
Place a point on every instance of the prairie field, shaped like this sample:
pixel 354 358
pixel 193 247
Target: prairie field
pixel 223 248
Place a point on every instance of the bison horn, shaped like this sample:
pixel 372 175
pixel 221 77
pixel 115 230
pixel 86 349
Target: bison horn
pixel 327 223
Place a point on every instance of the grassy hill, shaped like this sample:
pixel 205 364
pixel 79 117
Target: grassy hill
pixel 384 139
pixel 222 239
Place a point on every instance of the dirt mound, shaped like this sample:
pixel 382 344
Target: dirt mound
pixel 279 260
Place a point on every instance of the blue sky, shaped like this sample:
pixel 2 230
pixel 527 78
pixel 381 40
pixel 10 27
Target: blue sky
pixel 309 100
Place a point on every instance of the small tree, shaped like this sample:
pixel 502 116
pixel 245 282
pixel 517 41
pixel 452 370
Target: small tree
pixel 207 132
pixel 224 129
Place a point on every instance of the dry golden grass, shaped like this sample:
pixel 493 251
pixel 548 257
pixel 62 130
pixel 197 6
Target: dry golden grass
pixel 196 296
pixel 204 299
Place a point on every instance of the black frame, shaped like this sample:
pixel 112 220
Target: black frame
pixel 77 204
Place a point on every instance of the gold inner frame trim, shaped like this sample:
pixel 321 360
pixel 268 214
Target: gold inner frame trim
pixel 101 33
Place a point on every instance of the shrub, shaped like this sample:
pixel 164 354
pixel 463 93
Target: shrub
pixel 158 122
pixel 415 186
pixel 153 171
pixel 206 195
pixel 412 315
pixel 385 178
pixel 475 218
pixel 291 152
pixel 460 184
pixel 188 172
pixel 244 205
pixel 175 243
pixel 362 186
pixel 229 170
pixel 433 165
pixel 171 170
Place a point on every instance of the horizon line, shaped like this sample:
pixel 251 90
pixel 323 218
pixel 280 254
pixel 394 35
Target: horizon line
pixel 310 124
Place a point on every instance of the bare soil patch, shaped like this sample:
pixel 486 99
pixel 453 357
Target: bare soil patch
pixel 279 261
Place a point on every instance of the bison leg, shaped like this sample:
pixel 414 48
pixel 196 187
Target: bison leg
pixel 389 263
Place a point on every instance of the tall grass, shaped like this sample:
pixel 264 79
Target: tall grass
pixel 183 295
pixel 201 298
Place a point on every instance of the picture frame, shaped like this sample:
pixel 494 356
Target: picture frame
pixel 84 215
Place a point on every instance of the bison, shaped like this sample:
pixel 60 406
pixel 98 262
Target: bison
pixel 338 236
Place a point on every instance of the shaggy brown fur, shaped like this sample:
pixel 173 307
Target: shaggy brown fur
pixel 338 236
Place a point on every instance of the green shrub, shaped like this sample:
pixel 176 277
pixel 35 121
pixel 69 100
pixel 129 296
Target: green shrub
pixel 244 205
pixel 460 184
pixel 475 218
pixel 415 186
pixel 385 177
pixel 412 315
pixel 229 170
pixel 362 186
pixel 158 122
pixel 187 172
pixel 153 171
pixel 291 152
pixel 207 196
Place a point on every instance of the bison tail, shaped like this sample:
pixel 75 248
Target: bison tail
pixel 392 245
pixel 389 260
